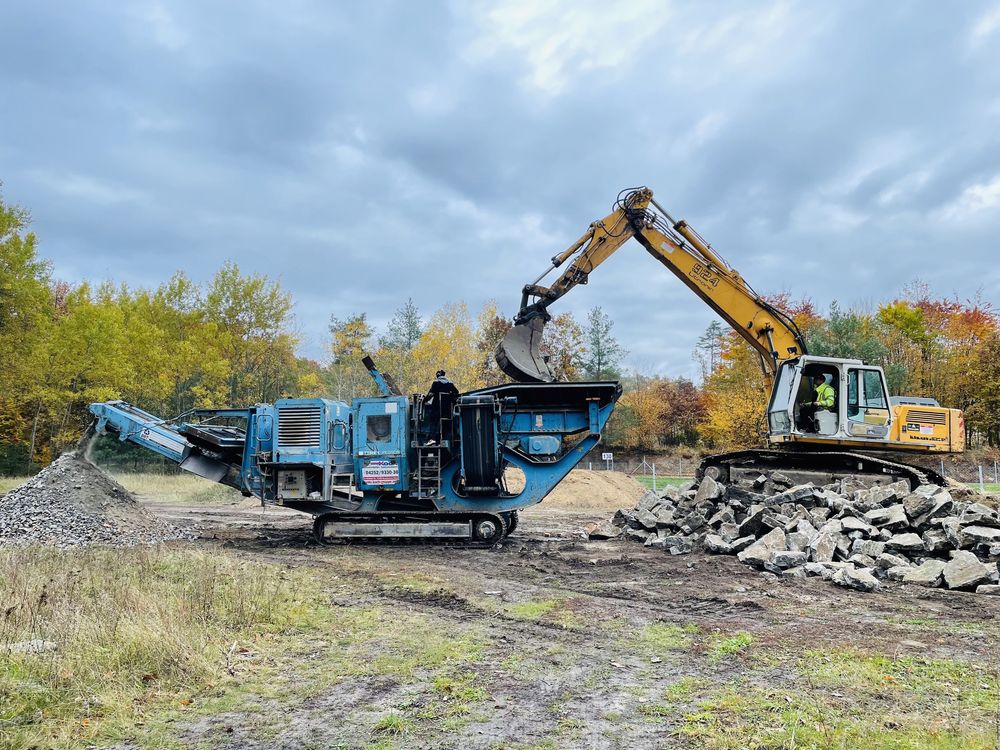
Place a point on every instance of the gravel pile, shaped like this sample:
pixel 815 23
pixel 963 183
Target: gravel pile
pixel 854 535
pixel 72 502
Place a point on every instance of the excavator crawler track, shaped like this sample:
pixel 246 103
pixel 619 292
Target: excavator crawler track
pixel 469 530
pixel 834 463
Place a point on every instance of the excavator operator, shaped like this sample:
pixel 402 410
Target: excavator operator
pixel 825 397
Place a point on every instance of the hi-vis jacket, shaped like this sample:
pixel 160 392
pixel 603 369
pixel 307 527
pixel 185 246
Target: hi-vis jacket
pixel 824 396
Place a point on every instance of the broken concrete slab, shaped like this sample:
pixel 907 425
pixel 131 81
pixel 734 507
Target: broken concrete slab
pixel 760 551
pixel 788 559
pixel 982 534
pixel 709 489
pixel 892 517
pixel 822 548
pixel 907 542
pixel 979 514
pixel 717 545
pixel 604 530
pixel 927 574
pixel 860 579
pixel 964 571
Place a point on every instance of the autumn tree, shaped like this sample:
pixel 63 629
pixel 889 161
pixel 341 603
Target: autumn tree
pixel 563 343
pixel 684 411
pixel 253 317
pixel 25 309
pixel 983 412
pixel 640 416
pixel 448 342
pixel 350 340
pixel 735 398
pixel 491 329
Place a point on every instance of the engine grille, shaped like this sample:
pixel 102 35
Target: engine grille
pixel 927 417
pixel 300 426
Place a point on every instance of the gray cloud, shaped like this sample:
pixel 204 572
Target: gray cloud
pixel 370 153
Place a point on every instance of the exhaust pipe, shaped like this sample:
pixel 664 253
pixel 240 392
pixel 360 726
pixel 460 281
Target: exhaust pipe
pixel 519 354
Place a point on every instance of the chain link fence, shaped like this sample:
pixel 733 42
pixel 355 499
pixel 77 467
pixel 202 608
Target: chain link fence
pixel 984 476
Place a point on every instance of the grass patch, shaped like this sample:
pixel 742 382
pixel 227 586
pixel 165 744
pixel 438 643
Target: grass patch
pixel 531 610
pixel 148 639
pixel 661 482
pixel 752 717
pixel 673 699
pixel 852 699
pixel 915 682
pixel 658 638
pixel 392 724
pixel 721 646
pixel 133 633
pixel 461 687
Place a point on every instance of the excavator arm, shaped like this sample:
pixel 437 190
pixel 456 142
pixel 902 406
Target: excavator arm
pixel 678 247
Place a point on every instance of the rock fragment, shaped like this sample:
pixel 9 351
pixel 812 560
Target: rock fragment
pixel 926 574
pixel 964 570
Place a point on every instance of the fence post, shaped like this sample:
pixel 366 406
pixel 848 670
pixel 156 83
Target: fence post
pixel 590 465
pixel 995 480
pixel 942 467
pixel 654 476
pixel 982 487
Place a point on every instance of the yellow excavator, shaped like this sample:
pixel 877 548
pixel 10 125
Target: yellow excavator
pixel 825 416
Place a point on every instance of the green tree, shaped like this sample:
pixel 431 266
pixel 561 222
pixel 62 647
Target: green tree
pixel 253 318
pixel 708 349
pixel 25 316
pixel 603 352
pixel 396 345
pixel 983 415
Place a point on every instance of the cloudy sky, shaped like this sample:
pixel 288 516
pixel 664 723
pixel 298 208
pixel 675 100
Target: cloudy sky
pixel 376 151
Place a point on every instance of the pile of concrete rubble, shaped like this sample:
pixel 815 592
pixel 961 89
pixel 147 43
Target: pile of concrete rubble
pixel 72 503
pixel 855 535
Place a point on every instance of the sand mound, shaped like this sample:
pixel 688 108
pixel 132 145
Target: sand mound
pixel 71 502
pixel 594 490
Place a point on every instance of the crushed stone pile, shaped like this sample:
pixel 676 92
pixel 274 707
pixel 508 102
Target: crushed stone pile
pixel 853 534
pixel 71 503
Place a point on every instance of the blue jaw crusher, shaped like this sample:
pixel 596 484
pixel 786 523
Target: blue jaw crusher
pixel 388 467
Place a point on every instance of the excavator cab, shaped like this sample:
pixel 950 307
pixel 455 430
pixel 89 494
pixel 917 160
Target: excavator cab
pixel 860 409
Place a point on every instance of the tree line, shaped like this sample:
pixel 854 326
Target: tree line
pixel 229 341
pixel 936 347
pixel 232 341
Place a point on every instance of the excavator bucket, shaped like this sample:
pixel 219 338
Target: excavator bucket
pixel 520 356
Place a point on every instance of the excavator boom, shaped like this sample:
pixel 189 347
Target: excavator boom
pixel 678 247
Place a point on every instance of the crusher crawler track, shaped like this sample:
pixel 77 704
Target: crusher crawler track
pixel 479 530
pixel 824 465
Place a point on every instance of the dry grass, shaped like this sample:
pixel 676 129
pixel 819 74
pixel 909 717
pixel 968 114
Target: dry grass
pixel 126 633
pixel 178 488
pixel 9 483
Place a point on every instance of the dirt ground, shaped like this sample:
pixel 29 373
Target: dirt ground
pixel 609 645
